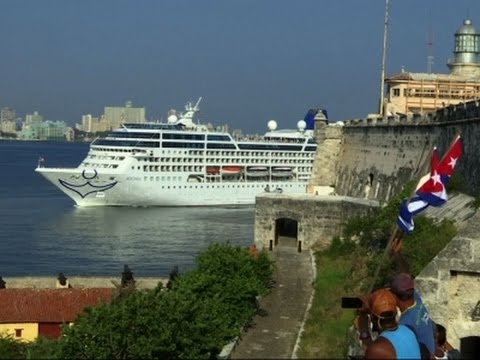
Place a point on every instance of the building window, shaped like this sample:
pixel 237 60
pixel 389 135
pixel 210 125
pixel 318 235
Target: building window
pixel 396 92
pixel 18 333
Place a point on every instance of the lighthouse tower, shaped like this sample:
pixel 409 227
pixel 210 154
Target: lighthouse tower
pixel 466 52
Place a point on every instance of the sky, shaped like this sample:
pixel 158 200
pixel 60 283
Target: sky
pixel 250 60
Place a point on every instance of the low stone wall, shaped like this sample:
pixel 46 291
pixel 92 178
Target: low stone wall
pixel 319 217
pixel 45 282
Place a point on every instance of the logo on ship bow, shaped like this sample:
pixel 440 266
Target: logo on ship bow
pixel 88 187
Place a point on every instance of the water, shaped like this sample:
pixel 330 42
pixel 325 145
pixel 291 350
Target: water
pixel 43 233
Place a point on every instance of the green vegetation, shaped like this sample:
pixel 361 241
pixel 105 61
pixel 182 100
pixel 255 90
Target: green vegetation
pixel 348 267
pixel 201 312
pixel 457 183
pixel 11 349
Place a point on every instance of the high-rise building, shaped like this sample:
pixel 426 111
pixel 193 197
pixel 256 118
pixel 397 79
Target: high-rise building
pixel 410 93
pixel 91 124
pixel 7 114
pixel 35 117
pixel 7 120
pixel 117 115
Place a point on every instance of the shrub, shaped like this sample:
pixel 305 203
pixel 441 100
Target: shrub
pixel 11 348
pixel 195 318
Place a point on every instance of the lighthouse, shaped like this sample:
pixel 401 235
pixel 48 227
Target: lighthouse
pixel 466 60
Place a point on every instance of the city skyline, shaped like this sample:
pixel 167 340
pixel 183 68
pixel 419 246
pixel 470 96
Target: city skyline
pixel 250 61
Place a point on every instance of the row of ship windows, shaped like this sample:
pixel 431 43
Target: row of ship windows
pixel 170 136
pixel 201 145
pixel 190 168
pixel 100 165
pixel 215 153
pixel 223 157
pixel 194 137
pixel 183 135
pixel 224 161
pixel 210 186
pixel 208 160
pixel 106 157
pixel 248 153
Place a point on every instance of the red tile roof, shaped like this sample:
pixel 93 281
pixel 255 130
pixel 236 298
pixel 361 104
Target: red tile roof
pixel 48 305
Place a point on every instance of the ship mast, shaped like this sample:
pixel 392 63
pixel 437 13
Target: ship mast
pixel 384 59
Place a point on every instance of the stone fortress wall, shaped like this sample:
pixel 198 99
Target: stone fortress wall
pixel 374 158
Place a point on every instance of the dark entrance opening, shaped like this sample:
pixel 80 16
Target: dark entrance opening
pixel 286 232
pixel 470 347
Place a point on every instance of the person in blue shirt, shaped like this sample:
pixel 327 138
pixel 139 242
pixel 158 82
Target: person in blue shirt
pixel 395 341
pixel 414 314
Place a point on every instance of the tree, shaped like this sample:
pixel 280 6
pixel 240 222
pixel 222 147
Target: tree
pixel 202 311
pixel 11 348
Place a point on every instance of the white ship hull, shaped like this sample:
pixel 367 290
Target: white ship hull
pixel 134 191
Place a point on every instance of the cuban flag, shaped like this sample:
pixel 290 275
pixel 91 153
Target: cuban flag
pixel 449 161
pixel 408 210
pixel 430 190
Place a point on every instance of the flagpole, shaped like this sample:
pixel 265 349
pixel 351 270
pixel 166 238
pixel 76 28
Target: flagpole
pixel 397 235
pixel 450 147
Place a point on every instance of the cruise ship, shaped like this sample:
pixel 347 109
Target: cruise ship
pixel 183 163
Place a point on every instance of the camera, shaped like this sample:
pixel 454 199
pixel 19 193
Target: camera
pixel 351 303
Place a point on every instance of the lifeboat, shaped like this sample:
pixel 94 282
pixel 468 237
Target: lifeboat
pixel 231 170
pixel 282 171
pixel 213 170
pixel 257 171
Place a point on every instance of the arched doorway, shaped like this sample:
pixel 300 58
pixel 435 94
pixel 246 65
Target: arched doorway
pixel 286 232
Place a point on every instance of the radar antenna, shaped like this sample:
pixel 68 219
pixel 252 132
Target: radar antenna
pixel 430 56
pixel 384 60
pixel 196 108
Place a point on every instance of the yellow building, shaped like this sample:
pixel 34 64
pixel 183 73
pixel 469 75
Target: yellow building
pixel 26 314
pixel 92 124
pixel 9 127
pixel 115 116
pixel 420 93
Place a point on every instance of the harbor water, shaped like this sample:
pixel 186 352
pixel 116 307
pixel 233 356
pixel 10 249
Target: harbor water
pixel 43 233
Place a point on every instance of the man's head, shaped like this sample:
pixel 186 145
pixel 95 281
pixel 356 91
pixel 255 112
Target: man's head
pixel 383 306
pixel 403 286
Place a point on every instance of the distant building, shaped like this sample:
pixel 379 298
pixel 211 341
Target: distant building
pixel 409 92
pixel 70 134
pixel 7 120
pixel 113 117
pixel 44 130
pixel 7 114
pixel 35 117
pixel 9 127
pixel 116 115
pixel 92 124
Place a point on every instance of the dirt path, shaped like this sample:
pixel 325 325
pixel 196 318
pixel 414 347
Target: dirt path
pixel 273 335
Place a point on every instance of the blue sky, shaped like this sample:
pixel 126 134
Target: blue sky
pixel 250 60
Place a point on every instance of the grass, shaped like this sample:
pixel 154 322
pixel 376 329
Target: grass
pixel 326 328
